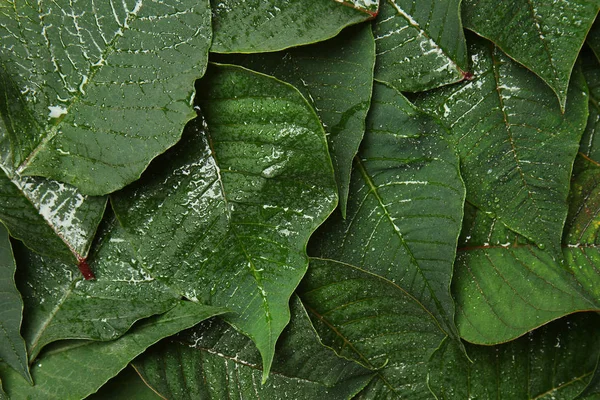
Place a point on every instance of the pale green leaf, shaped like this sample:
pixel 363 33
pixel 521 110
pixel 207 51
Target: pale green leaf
pixel 238 199
pixel 553 362
pixel 84 366
pixel 420 44
pixel 516 146
pixel 213 361
pixel 405 205
pixel 372 320
pixel 60 304
pixel 12 345
pixel 336 76
pixel 256 26
pixel 90 92
pixel 544 36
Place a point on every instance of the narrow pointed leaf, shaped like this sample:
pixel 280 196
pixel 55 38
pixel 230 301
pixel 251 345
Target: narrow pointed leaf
pixel 256 26
pixel 553 362
pixel 517 148
pixel 405 205
pixel 83 358
pixel 590 142
pixel 420 44
pixel 545 37
pixel 128 385
pixel 370 319
pixel 60 304
pixel 90 93
pixel 12 345
pixel 337 77
pixel 212 360
pixel 238 198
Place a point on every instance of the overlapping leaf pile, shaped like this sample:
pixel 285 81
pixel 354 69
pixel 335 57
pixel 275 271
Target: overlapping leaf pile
pixel 308 199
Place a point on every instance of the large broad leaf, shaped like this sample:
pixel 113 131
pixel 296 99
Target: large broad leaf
pixel 372 320
pixel 82 358
pixel 255 26
pixel 516 147
pixel 128 385
pixel 337 77
pixel 544 36
pixel 420 44
pixel 90 93
pixel 238 199
pixel 213 361
pixel 12 345
pixel 405 205
pixel 59 304
pixel 590 143
pixel 554 362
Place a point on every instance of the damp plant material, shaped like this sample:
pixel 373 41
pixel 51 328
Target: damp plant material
pixel 341 199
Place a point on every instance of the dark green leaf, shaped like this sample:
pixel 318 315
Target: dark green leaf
pixel 128 385
pixel 238 199
pixel 553 362
pixel 593 39
pixel 255 26
pixel 59 304
pixel 372 320
pixel 420 44
pixel 544 36
pixel 90 93
pixel 516 147
pixel 405 206
pixel 213 361
pixel 12 345
pixel 590 145
pixel 84 366
pixel 337 77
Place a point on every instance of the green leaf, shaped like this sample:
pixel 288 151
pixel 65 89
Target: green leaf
pixel 82 358
pixel 12 345
pixel 544 36
pixel 213 360
pixel 590 145
pixel 59 304
pixel 516 147
pixel 255 26
pixel 76 81
pixel 128 385
pixel 405 205
pixel 420 44
pixel 337 77
pixel 372 320
pixel 238 199
pixel 555 361
pixel 593 39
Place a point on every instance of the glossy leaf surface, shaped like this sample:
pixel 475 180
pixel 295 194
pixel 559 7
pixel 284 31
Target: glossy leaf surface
pixel 82 358
pixel 590 143
pixel 336 76
pixel 12 345
pixel 516 147
pixel 76 81
pixel 405 205
pixel 238 197
pixel 60 304
pixel 212 360
pixel 255 26
pixel 544 36
pixel 420 44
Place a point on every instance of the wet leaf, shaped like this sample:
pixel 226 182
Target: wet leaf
pixel 60 304
pixel 405 205
pixel 74 77
pixel 516 147
pixel 238 199
pixel 544 36
pixel 593 39
pixel 420 44
pixel 128 385
pixel 12 345
pixel 553 362
pixel 336 76
pixel 590 145
pixel 83 358
pixel 255 26
pixel 212 360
